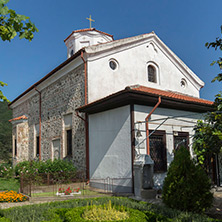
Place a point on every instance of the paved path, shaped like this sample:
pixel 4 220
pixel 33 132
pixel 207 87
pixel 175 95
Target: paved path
pixel 216 210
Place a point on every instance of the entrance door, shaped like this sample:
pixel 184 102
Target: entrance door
pixel 56 149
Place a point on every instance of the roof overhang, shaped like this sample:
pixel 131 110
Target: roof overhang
pixel 65 63
pixel 129 96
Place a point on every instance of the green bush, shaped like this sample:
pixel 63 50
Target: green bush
pixel 59 169
pixel 6 170
pixel 76 214
pixel 40 212
pixel 186 187
pixel 3 219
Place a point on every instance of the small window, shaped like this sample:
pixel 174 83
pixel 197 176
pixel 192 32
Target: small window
pixel 15 151
pixel 181 139
pixel 152 74
pixel 113 64
pixel 183 83
pixel 69 142
pixel 71 53
pixel 37 146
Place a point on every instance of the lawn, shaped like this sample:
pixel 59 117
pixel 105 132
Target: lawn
pixel 85 192
pixel 9 184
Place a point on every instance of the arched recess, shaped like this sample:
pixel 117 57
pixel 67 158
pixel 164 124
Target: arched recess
pixel 153 73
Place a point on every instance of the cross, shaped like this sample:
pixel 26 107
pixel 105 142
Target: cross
pixel 90 21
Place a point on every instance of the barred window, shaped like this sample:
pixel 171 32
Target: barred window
pixel 181 139
pixel 158 151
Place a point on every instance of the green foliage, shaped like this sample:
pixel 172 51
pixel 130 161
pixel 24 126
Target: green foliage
pixel 107 212
pixel 5 132
pixel 207 140
pixel 43 212
pixel 216 45
pixel 61 170
pixel 2 97
pixel 9 184
pixel 3 219
pixel 208 133
pixel 186 186
pixel 12 24
pixel 6 170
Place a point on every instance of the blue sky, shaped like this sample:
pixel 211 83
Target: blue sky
pixel 184 26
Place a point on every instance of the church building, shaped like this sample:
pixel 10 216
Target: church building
pixel 109 102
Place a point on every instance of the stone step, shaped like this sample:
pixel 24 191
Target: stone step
pixel 148 194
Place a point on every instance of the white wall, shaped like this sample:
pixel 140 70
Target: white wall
pixel 83 39
pixel 110 147
pixel 179 124
pixel 132 69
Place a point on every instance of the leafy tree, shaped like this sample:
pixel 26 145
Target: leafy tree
pixel 11 25
pixel 208 133
pixel 5 132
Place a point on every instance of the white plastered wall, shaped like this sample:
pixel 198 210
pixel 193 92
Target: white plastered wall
pixel 132 70
pixel 110 149
pixel 179 124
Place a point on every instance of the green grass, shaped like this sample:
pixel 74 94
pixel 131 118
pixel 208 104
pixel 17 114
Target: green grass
pixel 9 184
pixel 85 192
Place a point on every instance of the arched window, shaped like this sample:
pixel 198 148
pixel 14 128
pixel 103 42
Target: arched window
pixel 152 74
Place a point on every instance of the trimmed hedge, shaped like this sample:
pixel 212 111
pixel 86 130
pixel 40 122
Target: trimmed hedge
pixel 38 212
pixel 75 214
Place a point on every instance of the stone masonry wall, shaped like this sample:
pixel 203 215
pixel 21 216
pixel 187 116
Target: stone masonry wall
pixel 58 99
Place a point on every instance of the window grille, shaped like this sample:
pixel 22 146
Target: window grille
pixel 181 139
pixel 158 151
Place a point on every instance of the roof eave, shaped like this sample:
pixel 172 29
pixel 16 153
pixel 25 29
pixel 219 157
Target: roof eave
pixel 129 96
pixel 78 53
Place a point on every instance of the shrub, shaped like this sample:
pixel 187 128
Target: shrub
pixel 6 171
pixel 59 169
pixel 186 186
pixel 46 211
pixel 101 213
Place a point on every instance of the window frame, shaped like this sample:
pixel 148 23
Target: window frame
pixel 180 134
pixel 163 134
pixel 156 69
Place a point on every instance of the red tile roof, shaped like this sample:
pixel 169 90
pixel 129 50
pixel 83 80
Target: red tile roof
pixel 169 94
pixel 18 118
pixel 86 30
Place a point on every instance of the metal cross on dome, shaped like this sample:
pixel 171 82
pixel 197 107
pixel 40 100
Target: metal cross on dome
pixel 90 21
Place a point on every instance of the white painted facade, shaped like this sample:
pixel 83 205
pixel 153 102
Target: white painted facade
pixel 110 141
pixel 179 121
pixel 78 40
pixel 110 149
pixel 133 55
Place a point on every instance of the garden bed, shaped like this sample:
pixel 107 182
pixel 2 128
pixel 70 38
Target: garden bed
pixel 40 212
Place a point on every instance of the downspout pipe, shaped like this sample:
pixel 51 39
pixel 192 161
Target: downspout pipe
pixel 147 126
pixel 87 142
pixel 86 118
pixel 40 120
